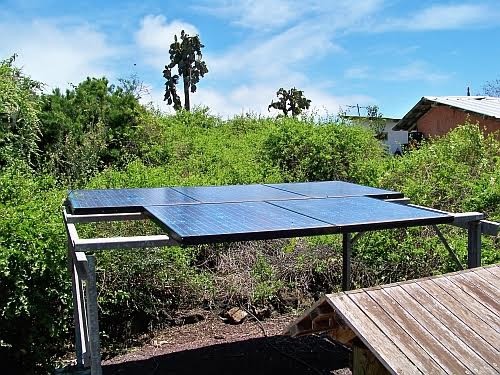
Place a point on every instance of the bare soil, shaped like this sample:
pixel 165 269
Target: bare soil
pixel 214 347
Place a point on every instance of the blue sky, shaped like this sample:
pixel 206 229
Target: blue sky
pixel 369 52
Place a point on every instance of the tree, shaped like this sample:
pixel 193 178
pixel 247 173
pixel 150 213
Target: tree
pixel 19 114
pixel 292 101
pixel 90 126
pixel 376 120
pixel 492 88
pixel 186 54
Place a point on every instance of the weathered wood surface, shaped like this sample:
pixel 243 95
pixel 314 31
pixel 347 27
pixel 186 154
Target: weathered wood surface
pixel 443 324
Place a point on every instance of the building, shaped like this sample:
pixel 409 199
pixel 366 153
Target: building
pixel 394 140
pixel 437 115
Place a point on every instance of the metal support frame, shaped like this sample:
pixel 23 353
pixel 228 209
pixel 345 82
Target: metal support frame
pixel 476 226
pixel 448 247
pixel 346 261
pixel 474 244
pixel 82 268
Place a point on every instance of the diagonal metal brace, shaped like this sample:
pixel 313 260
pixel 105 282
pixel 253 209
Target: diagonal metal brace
pixel 448 247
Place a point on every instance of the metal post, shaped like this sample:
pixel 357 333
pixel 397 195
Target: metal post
pixel 474 244
pixel 75 281
pixel 346 261
pixel 93 319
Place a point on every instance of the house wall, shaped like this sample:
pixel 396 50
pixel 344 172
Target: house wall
pixel 441 119
pixel 395 138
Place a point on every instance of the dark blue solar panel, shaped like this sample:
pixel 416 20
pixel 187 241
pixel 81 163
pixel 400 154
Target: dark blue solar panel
pixel 121 200
pixel 216 222
pixel 335 189
pixel 235 193
pixel 363 213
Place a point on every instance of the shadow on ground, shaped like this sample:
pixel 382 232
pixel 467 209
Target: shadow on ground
pixel 266 355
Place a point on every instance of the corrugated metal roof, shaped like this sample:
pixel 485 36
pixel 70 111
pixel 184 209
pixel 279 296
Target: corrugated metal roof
pixel 445 324
pixel 482 105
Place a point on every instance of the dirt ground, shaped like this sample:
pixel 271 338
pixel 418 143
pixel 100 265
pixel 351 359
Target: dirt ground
pixel 214 347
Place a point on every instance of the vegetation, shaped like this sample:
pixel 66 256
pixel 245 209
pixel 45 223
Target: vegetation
pixel 492 88
pixel 292 101
pixel 97 135
pixel 19 114
pixel 186 54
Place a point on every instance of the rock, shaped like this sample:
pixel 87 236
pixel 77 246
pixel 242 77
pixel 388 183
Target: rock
pixel 236 315
pixel 263 312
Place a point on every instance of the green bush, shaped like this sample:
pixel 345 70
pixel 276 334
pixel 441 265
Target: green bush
pixel 34 281
pixel 304 151
pixel 93 125
pixel 19 114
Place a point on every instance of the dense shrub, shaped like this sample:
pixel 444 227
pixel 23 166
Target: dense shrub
pixel 34 282
pixel 305 151
pixel 460 171
pixel 88 127
pixel 19 114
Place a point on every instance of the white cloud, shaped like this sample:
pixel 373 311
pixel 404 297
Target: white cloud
pixel 444 17
pixel 268 15
pixel 358 72
pixel 155 36
pixel 156 33
pixel 274 56
pixel 57 55
pixel 256 14
pixel 415 71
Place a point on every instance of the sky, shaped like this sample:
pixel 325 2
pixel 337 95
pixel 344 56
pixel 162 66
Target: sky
pixel 341 53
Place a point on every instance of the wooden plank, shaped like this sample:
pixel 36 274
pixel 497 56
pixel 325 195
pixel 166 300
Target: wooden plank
pixel 490 278
pixel 427 341
pixel 434 327
pixel 473 350
pixel 484 298
pixel 468 302
pixel 486 281
pixel 461 312
pixel 494 270
pixel 403 340
pixel 386 351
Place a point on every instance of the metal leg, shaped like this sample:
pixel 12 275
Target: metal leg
pixel 75 284
pixel 82 316
pixel 474 244
pixel 346 261
pixel 93 320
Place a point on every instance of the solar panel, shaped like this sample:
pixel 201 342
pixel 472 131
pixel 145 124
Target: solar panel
pixel 121 200
pixel 235 193
pixel 242 221
pixel 335 189
pixel 363 213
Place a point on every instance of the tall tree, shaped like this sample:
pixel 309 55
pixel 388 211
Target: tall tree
pixel 186 54
pixel 290 101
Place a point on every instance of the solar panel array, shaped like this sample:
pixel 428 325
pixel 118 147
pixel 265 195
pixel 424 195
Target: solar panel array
pixel 236 193
pixel 194 215
pixel 127 200
pixel 122 200
pixel 203 223
pixel 243 221
pixel 327 189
